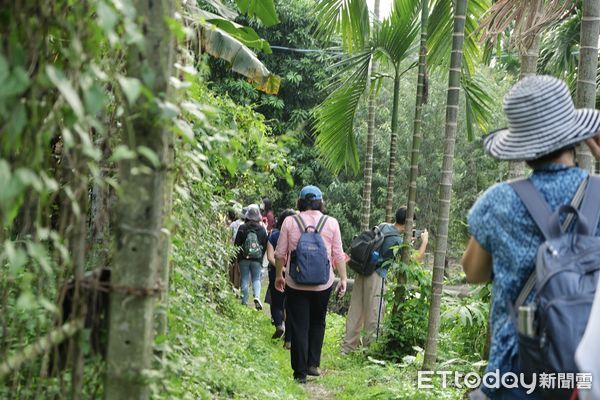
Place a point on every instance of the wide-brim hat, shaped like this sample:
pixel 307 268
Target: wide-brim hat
pixel 541 119
pixel 253 213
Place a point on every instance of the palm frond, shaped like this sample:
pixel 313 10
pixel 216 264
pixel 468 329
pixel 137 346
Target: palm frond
pixel 559 50
pixel 397 34
pixel 479 102
pixel 347 18
pixel 525 18
pixel 334 117
pixel 440 28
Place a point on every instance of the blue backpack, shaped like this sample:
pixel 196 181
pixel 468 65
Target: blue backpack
pixel 309 264
pixel 566 276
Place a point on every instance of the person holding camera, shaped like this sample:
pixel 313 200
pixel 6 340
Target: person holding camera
pixel 367 304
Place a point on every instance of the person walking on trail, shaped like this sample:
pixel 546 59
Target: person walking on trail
pixel 268 215
pixel 544 128
pixel 310 245
pixel 251 240
pixel 237 217
pixel 367 303
pixel 277 297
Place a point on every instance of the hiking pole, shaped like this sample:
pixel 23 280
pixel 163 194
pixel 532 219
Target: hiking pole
pixel 380 305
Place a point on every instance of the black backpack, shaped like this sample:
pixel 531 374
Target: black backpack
pixel 362 261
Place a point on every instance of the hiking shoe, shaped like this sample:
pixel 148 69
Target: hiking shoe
pixel 300 380
pixel 257 304
pixel 314 371
pixel 279 331
pixel 287 345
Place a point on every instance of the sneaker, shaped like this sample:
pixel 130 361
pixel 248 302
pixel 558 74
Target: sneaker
pixel 257 304
pixel 287 345
pixel 279 331
pixel 314 371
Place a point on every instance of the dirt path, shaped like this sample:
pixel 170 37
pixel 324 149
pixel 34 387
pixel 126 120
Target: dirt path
pixel 317 391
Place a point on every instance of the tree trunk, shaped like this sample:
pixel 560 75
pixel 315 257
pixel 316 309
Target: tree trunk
pixel 417 132
pixel 367 182
pixel 164 247
pixel 445 184
pixel 529 59
pixel 77 248
pixel 140 216
pixel 389 203
pixel 586 72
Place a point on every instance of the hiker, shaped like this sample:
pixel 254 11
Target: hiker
pixel 235 225
pixel 367 303
pixel 251 240
pixel 268 215
pixel 277 297
pixel 310 246
pixel 234 268
pixel 544 128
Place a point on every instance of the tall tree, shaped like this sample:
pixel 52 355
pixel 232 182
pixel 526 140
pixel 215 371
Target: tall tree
pixel 390 43
pixel 452 107
pixel 417 127
pixel 368 171
pixel 525 20
pixel 587 71
pixel 140 212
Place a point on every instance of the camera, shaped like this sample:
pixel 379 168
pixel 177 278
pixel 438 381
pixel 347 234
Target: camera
pixel 416 233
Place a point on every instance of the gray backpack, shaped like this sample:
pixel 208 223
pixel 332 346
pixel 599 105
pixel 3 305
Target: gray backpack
pixel 565 277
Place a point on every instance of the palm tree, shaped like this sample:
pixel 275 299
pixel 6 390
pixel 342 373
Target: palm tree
pixel 140 219
pixel 452 106
pixel 389 43
pixel 478 102
pixel 526 21
pixel 417 124
pixel 587 71
pixel 368 172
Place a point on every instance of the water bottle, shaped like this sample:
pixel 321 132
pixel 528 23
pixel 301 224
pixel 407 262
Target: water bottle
pixel 374 257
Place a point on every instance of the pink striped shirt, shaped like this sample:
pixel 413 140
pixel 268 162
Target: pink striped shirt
pixel 290 235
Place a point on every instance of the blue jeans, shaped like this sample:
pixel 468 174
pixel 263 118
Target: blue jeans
pixel 247 268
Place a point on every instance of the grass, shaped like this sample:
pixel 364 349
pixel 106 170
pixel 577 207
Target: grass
pixel 222 351
pixel 226 352
pixel 359 376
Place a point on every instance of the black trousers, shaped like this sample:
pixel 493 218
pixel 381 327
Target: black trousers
pixel 277 299
pixel 306 311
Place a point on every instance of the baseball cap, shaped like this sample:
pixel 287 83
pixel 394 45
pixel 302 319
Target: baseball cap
pixel 313 192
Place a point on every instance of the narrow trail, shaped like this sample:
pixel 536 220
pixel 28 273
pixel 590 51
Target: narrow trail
pixel 315 390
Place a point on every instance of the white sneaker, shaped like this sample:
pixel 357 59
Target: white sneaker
pixel 258 304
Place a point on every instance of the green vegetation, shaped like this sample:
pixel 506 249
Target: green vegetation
pixel 128 129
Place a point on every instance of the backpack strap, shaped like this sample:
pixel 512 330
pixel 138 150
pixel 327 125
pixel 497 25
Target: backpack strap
pixel 300 223
pixel 575 202
pixel 590 207
pixel 534 203
pixel 321 223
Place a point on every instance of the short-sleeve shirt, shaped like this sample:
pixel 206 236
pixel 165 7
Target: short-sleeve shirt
pixel 274 237
pixel 502 225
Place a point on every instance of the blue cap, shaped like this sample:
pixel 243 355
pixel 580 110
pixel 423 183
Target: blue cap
pixel 311 190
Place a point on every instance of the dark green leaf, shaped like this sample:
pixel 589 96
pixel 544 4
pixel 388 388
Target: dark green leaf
pixel 264 10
